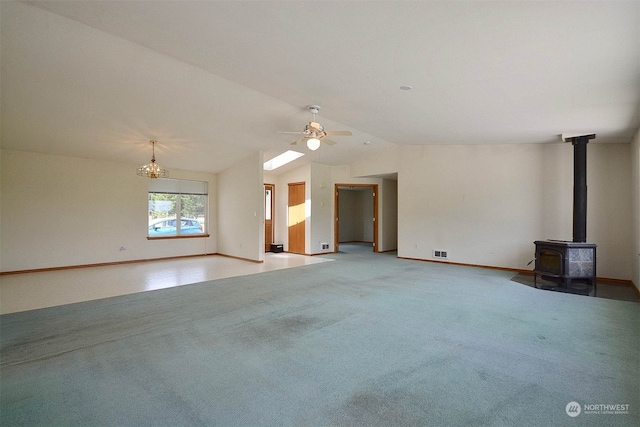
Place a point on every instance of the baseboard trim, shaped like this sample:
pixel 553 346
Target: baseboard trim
pixel 620 282
pixel 462 264
pixel 102 264
pixel 635 289
pixel 240 258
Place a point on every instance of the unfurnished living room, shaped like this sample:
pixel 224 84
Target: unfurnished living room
pixel 319 213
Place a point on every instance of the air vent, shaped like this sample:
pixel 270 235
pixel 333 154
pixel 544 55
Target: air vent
pixel 440 253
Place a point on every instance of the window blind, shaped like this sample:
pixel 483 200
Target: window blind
pixel 178 186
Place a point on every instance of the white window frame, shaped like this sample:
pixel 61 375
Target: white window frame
pixel 179 188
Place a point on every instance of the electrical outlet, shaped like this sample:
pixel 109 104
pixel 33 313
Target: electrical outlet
pixel 440 253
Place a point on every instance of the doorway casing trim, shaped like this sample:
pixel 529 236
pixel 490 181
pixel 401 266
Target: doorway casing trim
pixel 336 214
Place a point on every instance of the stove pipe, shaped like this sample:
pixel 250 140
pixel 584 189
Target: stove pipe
pixel 579 185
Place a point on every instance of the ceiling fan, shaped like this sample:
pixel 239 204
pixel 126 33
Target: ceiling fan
pixel 314 132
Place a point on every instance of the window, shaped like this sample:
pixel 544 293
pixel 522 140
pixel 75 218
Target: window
pixel 173 199
pixel 267 204
pixel 281 160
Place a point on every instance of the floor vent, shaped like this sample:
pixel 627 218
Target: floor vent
pixel 439 253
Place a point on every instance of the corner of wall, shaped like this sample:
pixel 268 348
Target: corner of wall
pixel 1 205
pixel 635 198
pixel 241 210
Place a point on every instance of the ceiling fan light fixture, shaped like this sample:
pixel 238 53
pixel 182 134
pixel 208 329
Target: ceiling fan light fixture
pixel 313 144
pixel 314 133
pixel 152 169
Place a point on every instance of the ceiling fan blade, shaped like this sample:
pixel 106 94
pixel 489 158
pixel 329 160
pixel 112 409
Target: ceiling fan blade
pixel 328 141
pixel 294 143
pixel 339 132
pixel 297 133
pixel 315 126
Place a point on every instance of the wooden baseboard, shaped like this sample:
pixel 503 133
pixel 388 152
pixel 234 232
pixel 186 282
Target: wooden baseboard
pixel 621 282
pixel 101 264
pixel 491 267
pixel 240 258
pixel 635 289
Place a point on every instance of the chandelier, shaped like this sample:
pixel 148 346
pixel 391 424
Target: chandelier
pixel 152 170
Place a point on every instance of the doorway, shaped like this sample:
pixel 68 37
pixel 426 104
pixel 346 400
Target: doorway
pixel 296 218
pixel 356 218
pixel 269 220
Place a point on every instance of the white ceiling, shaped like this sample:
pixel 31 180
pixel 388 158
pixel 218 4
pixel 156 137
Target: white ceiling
pixel 213 81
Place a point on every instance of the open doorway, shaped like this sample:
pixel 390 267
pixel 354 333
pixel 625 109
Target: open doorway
pixel 356 217
pixel 269 211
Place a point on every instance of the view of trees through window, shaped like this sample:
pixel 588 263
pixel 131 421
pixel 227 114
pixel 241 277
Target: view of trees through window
pixel 165 208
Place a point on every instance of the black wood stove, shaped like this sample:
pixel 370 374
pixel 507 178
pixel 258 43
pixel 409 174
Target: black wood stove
pixel 563 262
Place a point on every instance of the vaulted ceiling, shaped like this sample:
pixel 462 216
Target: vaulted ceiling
pixel 213 81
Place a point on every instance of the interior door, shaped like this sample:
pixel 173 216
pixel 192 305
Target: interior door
pixel 269 198
pixel 296 217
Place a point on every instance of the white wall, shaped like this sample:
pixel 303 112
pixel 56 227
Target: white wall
pixel 386 162
pixel 635 209
pixel 486 204
pixel 388 215
pixel 349 215
pixel 241 209
pixel 1 257
pixel 64 211
pixel 609 208
pixel 320 227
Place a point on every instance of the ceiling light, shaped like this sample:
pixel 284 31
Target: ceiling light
pixel 152 170
pixel 313 144
pixel 281 160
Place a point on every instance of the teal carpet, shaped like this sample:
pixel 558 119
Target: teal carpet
pixel 366 340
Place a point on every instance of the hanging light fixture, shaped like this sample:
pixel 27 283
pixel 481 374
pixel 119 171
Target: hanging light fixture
pixel 313 143
pixel 152 170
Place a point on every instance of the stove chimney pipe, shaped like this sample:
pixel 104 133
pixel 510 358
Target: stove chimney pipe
pixel 579 143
